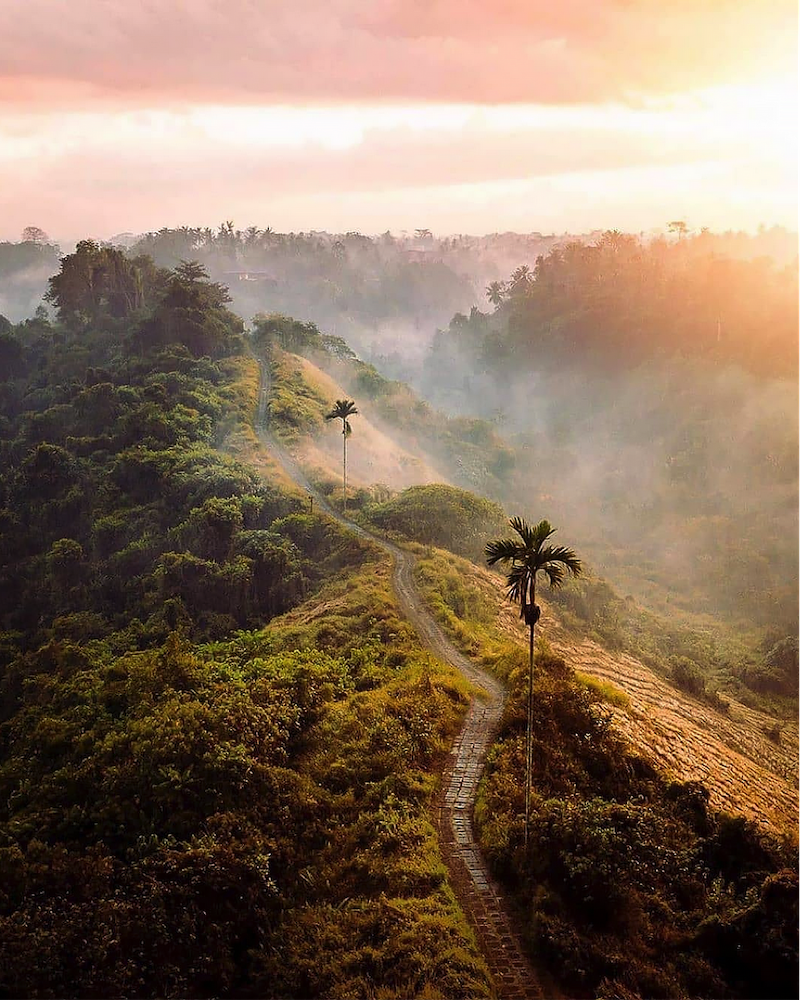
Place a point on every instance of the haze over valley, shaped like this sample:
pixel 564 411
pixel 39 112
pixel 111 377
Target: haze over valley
pixel 398 500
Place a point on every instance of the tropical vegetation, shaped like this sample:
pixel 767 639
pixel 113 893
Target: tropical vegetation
pixel 219 740
pixel 191 803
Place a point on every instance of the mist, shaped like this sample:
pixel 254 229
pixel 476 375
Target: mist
pixel 662 435
pixel 25 269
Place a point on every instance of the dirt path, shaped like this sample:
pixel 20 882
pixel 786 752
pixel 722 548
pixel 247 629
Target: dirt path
pixel 477 892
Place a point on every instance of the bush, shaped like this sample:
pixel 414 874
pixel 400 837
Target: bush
pixel 687 677
pixel 440 515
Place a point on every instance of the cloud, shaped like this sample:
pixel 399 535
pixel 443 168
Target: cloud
pixel 455 169
pixel 481 51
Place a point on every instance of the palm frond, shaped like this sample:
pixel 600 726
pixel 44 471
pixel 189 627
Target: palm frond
pixel 518 582
pixel 503 550
pixel 541 532
pixel 533 536
pixel 524 530
pixel 554 574
pixel 342 409
pixel 563 556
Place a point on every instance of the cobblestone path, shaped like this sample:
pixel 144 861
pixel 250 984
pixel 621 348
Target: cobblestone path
pixel 479 895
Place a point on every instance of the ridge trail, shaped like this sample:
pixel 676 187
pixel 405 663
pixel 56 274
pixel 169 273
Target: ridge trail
pixel 477 892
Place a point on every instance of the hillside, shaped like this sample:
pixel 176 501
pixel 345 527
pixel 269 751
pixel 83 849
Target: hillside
pixel 746 768
pixel 745 755
pixel 634 883
pixel 225 718
pixel 663 861
pixel 405 438
pixel 373 456
pixel 198 796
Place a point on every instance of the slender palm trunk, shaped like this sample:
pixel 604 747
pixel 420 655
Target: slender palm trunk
pixel 529 727
pixel 344 464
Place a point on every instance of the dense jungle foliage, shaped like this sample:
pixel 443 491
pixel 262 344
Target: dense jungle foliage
pixel 192 804
pixel 618 301
pixel 245 818
pixel 344 282
pixel 119 510
pixel 631 886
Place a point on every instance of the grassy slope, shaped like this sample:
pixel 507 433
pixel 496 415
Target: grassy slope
pixel 242 441
pixel 732 754
pixel 372 910
pixel 634 886
pixel 383 873
pixel 301 395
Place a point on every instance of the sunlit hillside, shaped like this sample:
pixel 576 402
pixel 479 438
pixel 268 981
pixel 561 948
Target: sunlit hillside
pixel 373 458
pixel 745 757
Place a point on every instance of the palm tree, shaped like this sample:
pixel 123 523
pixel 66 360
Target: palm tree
pixel 495 292
pixel 528 556
pixel 342 410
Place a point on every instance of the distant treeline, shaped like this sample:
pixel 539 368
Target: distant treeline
pixel 620 301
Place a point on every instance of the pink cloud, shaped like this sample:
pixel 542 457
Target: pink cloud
pixel 434 50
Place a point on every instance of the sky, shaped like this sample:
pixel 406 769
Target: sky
pixel 460 116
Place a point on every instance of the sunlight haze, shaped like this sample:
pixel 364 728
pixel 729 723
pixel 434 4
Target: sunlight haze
pixel 373 116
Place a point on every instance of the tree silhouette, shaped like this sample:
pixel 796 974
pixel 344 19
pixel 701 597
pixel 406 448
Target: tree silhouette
pixel 528 556
pixel 34 234
pixel 343 409
pixel 495 292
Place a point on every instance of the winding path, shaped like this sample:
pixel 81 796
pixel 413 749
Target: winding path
pixel 477 892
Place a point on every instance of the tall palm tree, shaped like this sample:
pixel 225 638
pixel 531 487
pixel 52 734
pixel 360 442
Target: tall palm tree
pixel 527 556
pixel 343 409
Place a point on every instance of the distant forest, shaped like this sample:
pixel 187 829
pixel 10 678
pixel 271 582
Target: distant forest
pixel 650 392
pixel 386 294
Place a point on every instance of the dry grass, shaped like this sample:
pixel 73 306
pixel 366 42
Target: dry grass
pixel 732 755
pixel 372 455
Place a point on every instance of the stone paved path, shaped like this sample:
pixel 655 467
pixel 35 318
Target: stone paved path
pixel 479 895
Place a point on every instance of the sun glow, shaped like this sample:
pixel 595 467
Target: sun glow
pixel 761 114
pixel 719 157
